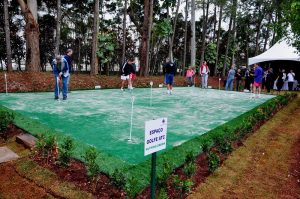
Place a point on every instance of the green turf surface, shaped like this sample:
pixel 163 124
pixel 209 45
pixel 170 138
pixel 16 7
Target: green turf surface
pixel 102 117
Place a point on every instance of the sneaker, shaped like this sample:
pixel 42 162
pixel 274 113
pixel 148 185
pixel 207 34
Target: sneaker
pixel 56 98
pixel 64 98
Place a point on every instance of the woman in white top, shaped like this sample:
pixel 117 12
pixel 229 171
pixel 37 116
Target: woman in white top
pixel 291 78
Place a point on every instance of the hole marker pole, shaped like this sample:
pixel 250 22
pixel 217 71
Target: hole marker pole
pixel 132 101
pixel 5 83
pixel 151 84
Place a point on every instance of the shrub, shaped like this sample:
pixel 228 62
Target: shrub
pixel 46 146
pixel 131 188
pixel 213 161
pixel 90 157
pixel 189 169
pixel 66 151
pixel 205 146
pixel 190 157
pixel 118 178
pixel 176 182
pixel 162 194
pixel 164 175
pixel 6 118
pixel 187 186
pixel 225 147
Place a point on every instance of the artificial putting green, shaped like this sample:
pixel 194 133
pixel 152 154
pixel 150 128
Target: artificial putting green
pixel 101 118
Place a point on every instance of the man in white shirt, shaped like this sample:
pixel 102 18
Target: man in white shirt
pixel 291 79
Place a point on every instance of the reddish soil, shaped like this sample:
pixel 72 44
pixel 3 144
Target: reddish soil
pixel 44 81
pixel 76 173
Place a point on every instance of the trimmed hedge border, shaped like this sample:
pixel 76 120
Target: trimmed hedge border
pixel 232 130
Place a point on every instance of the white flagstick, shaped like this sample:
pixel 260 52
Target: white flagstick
pixel 219 83
pixel 151 84
pixel 5 82
pixel 57 83
pixel 132 101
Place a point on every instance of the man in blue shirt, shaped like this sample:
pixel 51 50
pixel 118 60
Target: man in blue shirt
pixel 169 71
pixel 61 73
pixel 68 58
pixel 258 76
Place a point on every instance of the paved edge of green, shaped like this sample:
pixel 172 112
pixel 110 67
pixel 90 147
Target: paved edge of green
pixel 175 156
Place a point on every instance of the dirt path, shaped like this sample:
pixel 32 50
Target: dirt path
pixel 14 186
pixel 267 166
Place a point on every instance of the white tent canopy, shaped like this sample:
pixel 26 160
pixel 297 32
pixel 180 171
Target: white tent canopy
pixel 279 51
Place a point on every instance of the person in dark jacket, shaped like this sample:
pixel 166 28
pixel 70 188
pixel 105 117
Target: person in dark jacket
pixel 126 73
pixel 269 80
pixel 68 58
pixel 238 78
pixel 61 73
pixel 169 71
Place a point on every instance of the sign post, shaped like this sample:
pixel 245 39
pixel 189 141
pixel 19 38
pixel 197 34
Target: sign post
pixel 155 140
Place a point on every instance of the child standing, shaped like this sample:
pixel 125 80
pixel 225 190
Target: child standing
pixel 189 76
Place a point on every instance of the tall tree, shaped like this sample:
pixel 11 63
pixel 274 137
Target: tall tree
pixel 58 24
pixel 227 47
pixel 204 28
pixel 221 4
pixel 124 32
pixel 193 30
pixel 171 40
pixel 149 36
pixel 7 37
pixel 185 33
pixel 144 42
pixel 94 58
pixel 32 34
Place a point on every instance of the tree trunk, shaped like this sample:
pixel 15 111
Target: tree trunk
pixel 267 34
pixel 205 17
pixel 124 32
pixel 149 38
pixel 7 37
pixel 185 34
pixel 234 31
pixel 144 42
pixel 94 58
pixel 215 23
pixel 218 39
pixel 58 23
pixel 193 38
pixel 32 37
pixel 171 41
pixel 227 48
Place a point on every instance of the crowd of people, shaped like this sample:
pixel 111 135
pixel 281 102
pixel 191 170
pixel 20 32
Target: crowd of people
pixel 255 78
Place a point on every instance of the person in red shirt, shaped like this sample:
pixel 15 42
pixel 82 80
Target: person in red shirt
pixel 204 70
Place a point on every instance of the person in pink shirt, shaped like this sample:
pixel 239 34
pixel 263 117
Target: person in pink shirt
pixel 189 76
pixel 204 70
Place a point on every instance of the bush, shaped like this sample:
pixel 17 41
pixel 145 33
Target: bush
pixel 189 169
pixel 46 146
pixel 162 194
pixel 190 157
pixel 6 118
pixel 118 178
pixel 187 186
pixel 213 161
pixel 164 175
pixel 225 147
pixel 131 188
pixel 205 146
pixel 90 157
pixel 66 151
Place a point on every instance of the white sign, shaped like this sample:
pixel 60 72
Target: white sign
pixel 155 135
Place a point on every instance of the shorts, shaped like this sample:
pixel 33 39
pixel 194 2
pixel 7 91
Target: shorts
pixel 124 77
pixel 132 76
pixel 256 84
pixel 169 78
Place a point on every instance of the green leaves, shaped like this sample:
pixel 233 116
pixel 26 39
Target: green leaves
pixel 106 47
